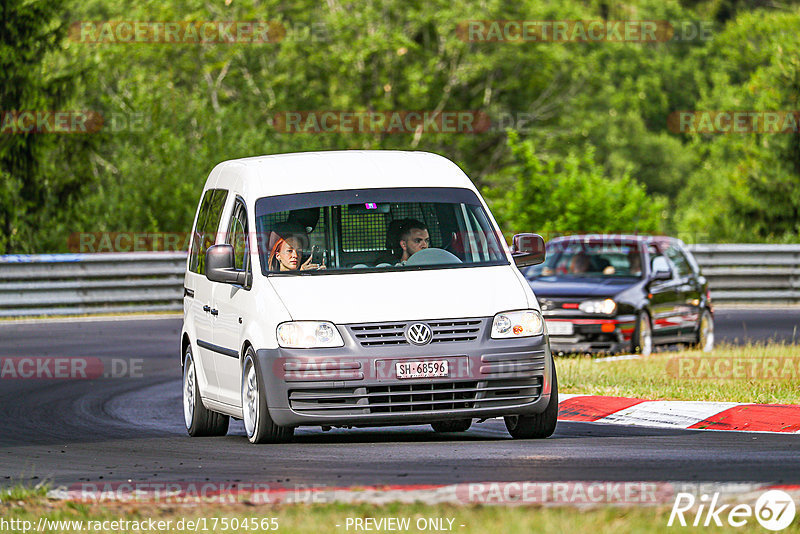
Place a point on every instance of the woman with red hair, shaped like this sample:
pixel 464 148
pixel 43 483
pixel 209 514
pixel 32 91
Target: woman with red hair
pixel 286 253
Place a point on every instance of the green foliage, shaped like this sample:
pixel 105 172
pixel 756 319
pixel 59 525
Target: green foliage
pixel 572 195
pixel 39 173
pixel 750 182
pixel 596 113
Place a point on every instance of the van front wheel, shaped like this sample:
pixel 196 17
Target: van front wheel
pixel 258 424
pixel 200 421
pixel 540 425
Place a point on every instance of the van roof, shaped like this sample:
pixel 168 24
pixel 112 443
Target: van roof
pixel 302 172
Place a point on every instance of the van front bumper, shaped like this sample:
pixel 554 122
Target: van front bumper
pixel 357 385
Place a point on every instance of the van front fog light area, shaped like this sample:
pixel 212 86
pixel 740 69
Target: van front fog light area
pixel 308 335
pixel 525 323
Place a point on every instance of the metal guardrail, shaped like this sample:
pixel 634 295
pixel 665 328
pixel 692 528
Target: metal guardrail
pixel 751 273
pixel 74 284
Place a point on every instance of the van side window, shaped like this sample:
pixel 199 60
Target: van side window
pixel 205 234
pixel 199 225
pixel 237 236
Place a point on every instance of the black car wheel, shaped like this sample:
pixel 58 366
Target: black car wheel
pixel 642 340
pixel 705 332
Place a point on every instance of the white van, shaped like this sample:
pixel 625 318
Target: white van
pixel 358 288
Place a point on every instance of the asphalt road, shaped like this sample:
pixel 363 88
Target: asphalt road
pixel 131 428
pixel 757 326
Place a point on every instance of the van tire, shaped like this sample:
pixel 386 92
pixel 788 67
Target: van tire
pixel 454 425
pixel 540 425
pixel 259 426
pixel 199 420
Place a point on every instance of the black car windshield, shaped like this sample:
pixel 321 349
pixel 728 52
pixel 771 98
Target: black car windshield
pixel 375 230
pixel 576 259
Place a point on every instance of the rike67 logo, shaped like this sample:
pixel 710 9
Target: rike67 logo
pixel 774 510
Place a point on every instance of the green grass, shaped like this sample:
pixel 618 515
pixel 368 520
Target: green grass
pixel 23 493
pixel 768 374
pixel 324 518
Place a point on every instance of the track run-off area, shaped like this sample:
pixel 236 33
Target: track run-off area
pixel 127 425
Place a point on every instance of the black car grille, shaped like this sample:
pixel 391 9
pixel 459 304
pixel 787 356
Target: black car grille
pixel 436 397
pixel 444 331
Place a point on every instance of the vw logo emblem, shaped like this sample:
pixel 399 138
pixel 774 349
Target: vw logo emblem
pixel 419 334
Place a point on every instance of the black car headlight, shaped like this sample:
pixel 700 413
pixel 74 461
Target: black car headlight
pixel 598 307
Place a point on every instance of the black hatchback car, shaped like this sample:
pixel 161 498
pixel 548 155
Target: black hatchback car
pixel 621 293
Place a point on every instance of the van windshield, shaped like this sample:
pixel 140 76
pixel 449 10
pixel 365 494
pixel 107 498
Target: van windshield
pixel 375 230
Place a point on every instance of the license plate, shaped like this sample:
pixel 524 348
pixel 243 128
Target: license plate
pixel 428 369
pixel 560 328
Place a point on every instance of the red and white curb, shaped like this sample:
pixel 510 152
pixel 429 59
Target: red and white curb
pixel 696 415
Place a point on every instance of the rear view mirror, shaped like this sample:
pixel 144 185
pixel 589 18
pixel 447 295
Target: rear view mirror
pixel 219 266
pixel 527 249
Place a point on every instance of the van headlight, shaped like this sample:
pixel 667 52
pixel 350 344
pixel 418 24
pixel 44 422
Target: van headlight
pixel 512 324
pixel 604 307
pixel 308 335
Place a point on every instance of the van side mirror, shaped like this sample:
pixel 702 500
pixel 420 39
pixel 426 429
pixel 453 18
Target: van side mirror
pixel 219 266
pixel 527 249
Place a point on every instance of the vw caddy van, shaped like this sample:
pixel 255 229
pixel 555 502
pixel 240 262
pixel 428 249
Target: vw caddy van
pixel 358 288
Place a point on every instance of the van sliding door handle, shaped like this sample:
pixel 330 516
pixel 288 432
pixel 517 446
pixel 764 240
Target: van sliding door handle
pixel 206 308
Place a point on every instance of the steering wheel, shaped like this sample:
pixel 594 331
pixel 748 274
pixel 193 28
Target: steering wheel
pixel 432 256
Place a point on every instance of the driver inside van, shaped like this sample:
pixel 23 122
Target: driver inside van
pixel 286 251
pixel 404 237
pixel 414 237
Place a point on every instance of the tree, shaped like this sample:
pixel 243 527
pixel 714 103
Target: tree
pixel 746 186
pixel 38 176
pixel 572 195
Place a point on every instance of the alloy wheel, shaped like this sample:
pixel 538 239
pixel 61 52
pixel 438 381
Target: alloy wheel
pixel 250 397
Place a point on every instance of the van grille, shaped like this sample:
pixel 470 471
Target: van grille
pixel 444 331
pixel 441 397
